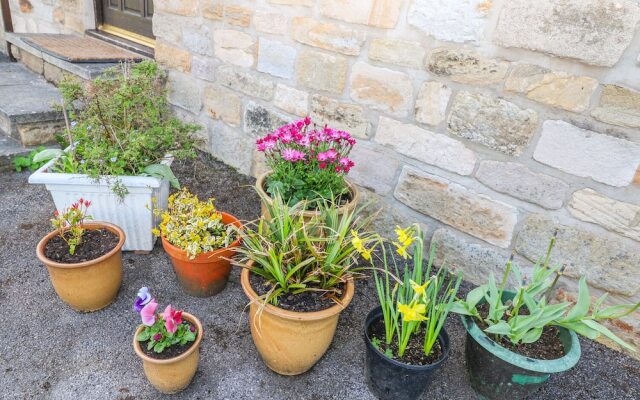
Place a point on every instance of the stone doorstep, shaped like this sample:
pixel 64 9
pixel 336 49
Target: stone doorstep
pixel 86 71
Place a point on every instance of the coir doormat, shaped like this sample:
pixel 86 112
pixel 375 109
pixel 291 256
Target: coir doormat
pixel 80 49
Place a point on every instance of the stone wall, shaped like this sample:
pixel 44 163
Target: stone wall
pixel 491 122
pixel 51 16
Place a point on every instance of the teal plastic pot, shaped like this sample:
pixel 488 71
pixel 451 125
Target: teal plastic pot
pixel 497 373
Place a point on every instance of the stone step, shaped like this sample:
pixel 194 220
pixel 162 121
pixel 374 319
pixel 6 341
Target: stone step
pixel 10 148
pixel 27 114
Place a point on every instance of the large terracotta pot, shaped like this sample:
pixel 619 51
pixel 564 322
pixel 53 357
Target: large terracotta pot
pixel 350 206
pixel 173 374
pixel 208 273
pixel 90 285
pixel 289 342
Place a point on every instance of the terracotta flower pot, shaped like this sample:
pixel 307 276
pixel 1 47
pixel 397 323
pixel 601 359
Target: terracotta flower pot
pixel 350 206
pixel 90 285
pixel 173 374
pixel 289 342
pixel 208 273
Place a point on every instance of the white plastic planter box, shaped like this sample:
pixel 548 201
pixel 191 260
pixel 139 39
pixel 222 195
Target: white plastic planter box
pixel 133 213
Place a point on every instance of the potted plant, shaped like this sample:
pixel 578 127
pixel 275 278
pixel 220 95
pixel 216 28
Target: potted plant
pixel 168 344
pixel 121 139
pixel 405 337
pixel 298 275
pixel 200 241
pixel 517 338
pixel 84 259
pixel 308 163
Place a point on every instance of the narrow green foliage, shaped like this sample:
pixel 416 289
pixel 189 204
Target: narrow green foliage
pixel 120 124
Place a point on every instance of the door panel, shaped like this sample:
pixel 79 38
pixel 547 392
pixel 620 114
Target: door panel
pixel 131 15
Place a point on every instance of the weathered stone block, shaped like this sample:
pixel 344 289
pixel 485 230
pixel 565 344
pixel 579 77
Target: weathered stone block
pixel 306 3
pixel 34 63
pixel 588 154
pixel 432 101
pixel 373 168
pixel 270 22
pixel 245 82
pixel 493 122
pixel 520 182
pixel 327 36
pixel 428 147
pixel 607 261
pixel 184 91
pixel 475 261
pixel 619 106
pixel 291 100
pixel 557 89
pixel 172 57
pixel 397 51
pixel 592 31
pixel 259 120
pixel 276 58
pixel 232 147
pixel 617 216
pixel 37 133
pixel 381 88
pixel 234 47
pixel 197 40
pixel 455 205
pixel 222 104
pixel 178 7
pixel 466 67
pixel 53 73
pixel 322 71
pixel 203 68
pixel 378 13
pixel 339 115
pixel 450 21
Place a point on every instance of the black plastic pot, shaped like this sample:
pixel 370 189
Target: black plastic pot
pixel 392 380
pixel 498 373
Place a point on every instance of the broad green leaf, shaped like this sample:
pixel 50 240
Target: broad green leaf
pixel 164 172
pixel 501 328
pixel 46 155
pixel 606 332
pixel 474 296
pixel 617 311
pixel 581 308
pixel 532 335
pixel 142 336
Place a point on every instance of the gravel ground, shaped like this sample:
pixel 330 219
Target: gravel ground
pixel 49 351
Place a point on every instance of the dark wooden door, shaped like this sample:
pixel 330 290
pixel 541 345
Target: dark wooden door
pixel 130 15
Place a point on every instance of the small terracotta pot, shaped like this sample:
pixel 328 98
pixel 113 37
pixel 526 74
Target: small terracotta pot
pixel 350 206
pixel 90 285
pixel 173 374
pixel 289 342
pixel 208 273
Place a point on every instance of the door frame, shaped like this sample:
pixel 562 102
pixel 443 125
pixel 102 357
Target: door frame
pixel 116 31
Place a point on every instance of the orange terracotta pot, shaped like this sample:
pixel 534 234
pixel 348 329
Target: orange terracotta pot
pixel 173 374
pixel 308 215
pixel 289 342
pixel 90 285
pixel 208 273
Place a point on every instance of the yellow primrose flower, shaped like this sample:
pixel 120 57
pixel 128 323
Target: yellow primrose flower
pixel 412 313
pixel 419 289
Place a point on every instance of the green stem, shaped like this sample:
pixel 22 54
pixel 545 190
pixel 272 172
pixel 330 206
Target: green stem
pixel 504 277
pixel 552 243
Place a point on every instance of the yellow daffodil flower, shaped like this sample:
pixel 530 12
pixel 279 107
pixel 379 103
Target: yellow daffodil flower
pixel 359 246
pixel 412 313
pixel 419 289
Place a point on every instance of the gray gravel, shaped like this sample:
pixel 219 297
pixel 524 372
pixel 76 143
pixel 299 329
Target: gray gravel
pixel 48 351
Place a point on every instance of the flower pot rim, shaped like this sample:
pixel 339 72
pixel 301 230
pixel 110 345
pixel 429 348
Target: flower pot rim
pixel 189 317
pixel 177 252
pixel 561 364
pixel 296 315
pixel 443 338
pixel 90 226
pixel 43 176
pixel 261 180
